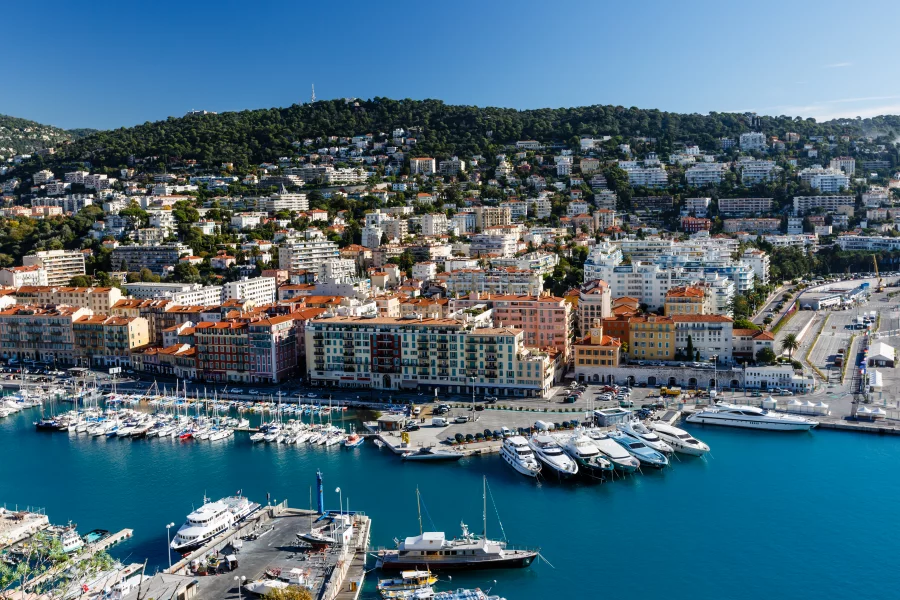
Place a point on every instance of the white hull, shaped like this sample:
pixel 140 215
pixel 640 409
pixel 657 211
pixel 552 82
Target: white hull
pixel 519 466
pixel 750 424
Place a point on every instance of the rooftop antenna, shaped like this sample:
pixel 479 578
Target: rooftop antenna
pixel 312 98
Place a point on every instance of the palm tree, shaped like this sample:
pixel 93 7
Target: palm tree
pixel 790 344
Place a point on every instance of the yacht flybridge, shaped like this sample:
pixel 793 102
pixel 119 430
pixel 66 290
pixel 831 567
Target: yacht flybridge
pixel 210 520
pixel 750 417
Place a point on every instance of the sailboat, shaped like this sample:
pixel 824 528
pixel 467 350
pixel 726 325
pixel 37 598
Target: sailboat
pixel 469 551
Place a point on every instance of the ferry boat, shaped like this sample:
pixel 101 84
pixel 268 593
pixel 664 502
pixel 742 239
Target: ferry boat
pixel 551 455
pixel 517 454
pixel 750 417
pixel 210 520
pixel 680 439
pixel 432 550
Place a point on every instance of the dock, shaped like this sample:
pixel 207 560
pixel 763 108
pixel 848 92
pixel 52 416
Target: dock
pixel 89 551
pixel 267 543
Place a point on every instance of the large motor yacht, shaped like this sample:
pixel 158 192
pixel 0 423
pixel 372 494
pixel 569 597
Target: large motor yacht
pixel 516 452
pixel 590 461
pixel 551 454
pixel 680 439
pixel 750 417
pixel 210 520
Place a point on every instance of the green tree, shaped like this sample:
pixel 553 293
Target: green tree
pixel 292 592
pixel 789 344
pixel 765 356
pixel 81 281
pixel 186 273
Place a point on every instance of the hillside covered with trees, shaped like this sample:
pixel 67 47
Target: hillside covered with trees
pixel 21 136
pixel 252 136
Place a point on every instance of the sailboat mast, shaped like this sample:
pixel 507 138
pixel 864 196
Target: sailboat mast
pixel 484 505
pixel 419 507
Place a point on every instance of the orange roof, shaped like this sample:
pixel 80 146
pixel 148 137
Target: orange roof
pixel 700 319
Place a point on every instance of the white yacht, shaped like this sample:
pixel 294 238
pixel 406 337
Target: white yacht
pixel 590 461
pixel 680 439
pixel 551 454
pixel 210 520
pixel 639 430
pixel 621 459
pixel 518 455
pixel 750 417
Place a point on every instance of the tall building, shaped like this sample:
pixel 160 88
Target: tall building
pixel 297 256
pixel 594 302
pixel 491 216
pixel 104 341
pixel 97 299
pixel 154 257
pixel 40 334
pixel 753 141
pixel 395 353
pixel 19 276
pixel 259 290
pixel 421 166
pixel 61 265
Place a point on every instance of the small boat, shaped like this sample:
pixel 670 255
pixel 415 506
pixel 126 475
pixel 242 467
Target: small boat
pixel 354 440
pixel 517 454
pixel 432 453
pixel 71 541
pixel 259 436
pixel 220 434
pixel 318 537
pixel 551 454
pixel 408 582
pixel 379 443
pixel 638 430
pixel 640 450
pixel 680 439
pixel 465 594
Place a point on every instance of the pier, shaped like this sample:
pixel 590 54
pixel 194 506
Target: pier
pixel 266 544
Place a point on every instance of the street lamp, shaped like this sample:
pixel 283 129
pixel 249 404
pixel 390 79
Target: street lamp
pixel 169 544
pixel 240 581
pixel 715 359
pixel 341 499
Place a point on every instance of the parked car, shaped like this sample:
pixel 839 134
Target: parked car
pixel 411 427
pixel 479 407
pixel 490 399
pixel 311 395
pixel 237 390
pixel 461 419
pixel 254 392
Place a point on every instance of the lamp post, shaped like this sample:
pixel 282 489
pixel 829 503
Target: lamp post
pixel 240 581
pixel 341 500
pixel 169 543
pixel 715 359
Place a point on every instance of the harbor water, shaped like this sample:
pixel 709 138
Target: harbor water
pixel 784 515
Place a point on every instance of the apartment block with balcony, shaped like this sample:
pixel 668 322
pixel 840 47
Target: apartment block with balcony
pixel 40 333
pixel 391 353
pixel 710 335
pixel 99 299
pixel 105 341
pixel 651 338
pixel 61 265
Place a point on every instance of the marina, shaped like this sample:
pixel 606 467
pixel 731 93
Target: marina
pixel 195 469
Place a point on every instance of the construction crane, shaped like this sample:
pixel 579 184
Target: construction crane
pixel 880 286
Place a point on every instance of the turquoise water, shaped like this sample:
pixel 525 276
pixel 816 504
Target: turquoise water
pixel 787 515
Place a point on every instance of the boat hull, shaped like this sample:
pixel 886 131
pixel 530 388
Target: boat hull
pixel 518 467
pixel 747 424
pixel 389 562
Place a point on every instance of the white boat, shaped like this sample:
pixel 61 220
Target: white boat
pixel 220 434
pixel 264 587
pixel 640 450
pixel 680 439
pixel 750 417
pixel 621 459
pixel 517 454
pixel 428 453
pixel 465 594
pixel 551 454
pixel 590 461
pixel 638 430
pixel 257 437
pixel 335 438
pixel 210 520
pixel 71 541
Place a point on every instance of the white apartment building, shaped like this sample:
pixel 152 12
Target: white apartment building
pixel 184 294
pixel 337 270
pixel 434 224
pixel 306 255
pixel 828 204
pixel 371 236
pixel 247 220
pixel 283 201
pixel 711 335
pixel 491 216
pixel 23 276
pixel 518 211
pixel 260 290
pixel 485 244
pixel 845 164
pixel 759 262
pixel 493 281
pixel 753 141
pixel 868 243
pixel 645 281
pixel 542 208
pixel 539 262
pixel 424 271
pixel 745 206
pixel 698 206
pixel 421 166
pixel 758 171
pixel 830 182
pixel 464 222
pixel 573 209
pixel 644 176
pixel 60 265
pixel 876 196
pixel 41 177
pixel 453 166
pixel 704 174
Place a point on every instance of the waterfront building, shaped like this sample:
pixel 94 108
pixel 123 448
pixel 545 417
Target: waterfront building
pixel 446 354
pixel 651 338
pixel 61 265
pixel 108 341
pixel 594 303
pixel 710 335
pixel 746 343
pixel 687 301
pixel 40 333
pixel 596 352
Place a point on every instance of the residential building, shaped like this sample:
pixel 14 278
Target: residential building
pixel 223 351
pixel 827 204
pixel 596 352
pixel 845 164
pixel 273 349
pixel 491 216
pixel 777 377
pixel 395 354
pixel 709 335
pixel 490 244
pixel 759 262
pixel 97 299
pixel 421 166
pixel 40 333
pixel 651 338
pixel 105 341
pixel 753 140
pixel 434 224
pixel 594 302
pixel 875 243
pixel 371 236
pixel 154 257
pixel 61 265
pixel 259 290
pixel 746 343
pixel 758 171
pixel 697 207
pixel 23 276
pixel 645 176
pixel 337 270
pixel 539 262
pixel 759 225
pixel 704 174
pixel 452 167
pixel 283 201
pixel 306 256
pixel 687 301
pixel 187 294
pixel 745 206
pixel 508 280
pixel 830 181
pixel 693 224
pixel 652 203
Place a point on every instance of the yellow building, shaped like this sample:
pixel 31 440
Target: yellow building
pixel 596 350
pixel 101 340
pixel 687 301
pixel 651 338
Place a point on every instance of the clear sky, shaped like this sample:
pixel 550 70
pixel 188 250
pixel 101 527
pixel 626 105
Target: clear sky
pixel 109 64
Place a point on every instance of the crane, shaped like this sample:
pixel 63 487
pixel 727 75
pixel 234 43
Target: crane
pixel 880 286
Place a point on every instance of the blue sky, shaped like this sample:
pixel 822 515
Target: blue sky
pixel 109 64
